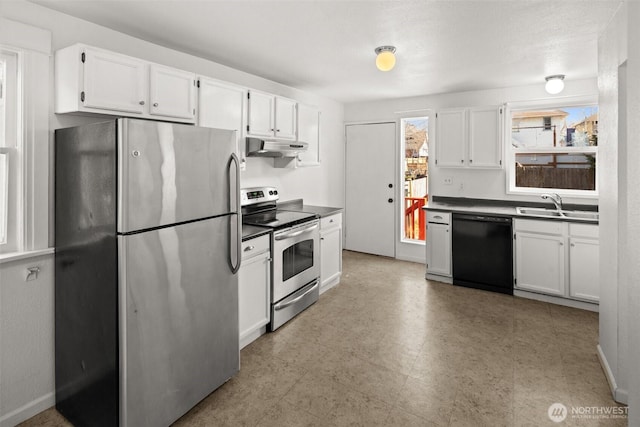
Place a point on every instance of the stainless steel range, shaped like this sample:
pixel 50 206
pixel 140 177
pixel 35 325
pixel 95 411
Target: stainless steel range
pixel 295 250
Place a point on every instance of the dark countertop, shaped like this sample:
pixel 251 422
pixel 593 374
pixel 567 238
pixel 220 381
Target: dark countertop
pixel 251 231
pixel 299 206
pixel 501 208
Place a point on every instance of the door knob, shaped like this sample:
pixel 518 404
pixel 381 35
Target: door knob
pixel 390 185
pixel 390 200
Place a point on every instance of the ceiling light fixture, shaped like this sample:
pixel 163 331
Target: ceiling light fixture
pixel 554 84
pixel 386 58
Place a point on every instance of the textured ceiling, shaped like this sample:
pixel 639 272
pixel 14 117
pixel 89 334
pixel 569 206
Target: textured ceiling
pixel 327 46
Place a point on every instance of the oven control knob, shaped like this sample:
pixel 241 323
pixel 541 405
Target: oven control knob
pixel 275 192
pixel 271 192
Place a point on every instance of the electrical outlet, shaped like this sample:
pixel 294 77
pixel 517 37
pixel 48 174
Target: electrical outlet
pixel 448 181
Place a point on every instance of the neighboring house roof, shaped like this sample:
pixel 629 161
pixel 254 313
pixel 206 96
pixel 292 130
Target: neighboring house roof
pixel 591 118
pixel 534 114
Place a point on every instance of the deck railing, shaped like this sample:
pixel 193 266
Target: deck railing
pixel 414 218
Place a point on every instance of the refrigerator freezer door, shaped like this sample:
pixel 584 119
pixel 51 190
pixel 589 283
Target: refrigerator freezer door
pixel 178 313
pixel 171 173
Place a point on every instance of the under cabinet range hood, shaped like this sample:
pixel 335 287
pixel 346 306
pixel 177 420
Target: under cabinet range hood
pixel 257 147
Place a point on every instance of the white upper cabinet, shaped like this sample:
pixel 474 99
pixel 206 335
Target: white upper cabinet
pixel 112 81
pixel 451 137
pixel 261 111
pixel 172 92
pixel 93 80
pixel 271 116
pixel 485 137
pixel 286 121
pixel 221 105
pixel 309 132
pixel 469 137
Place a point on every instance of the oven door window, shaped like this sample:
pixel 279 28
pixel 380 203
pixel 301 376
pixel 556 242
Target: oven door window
pixel 296 259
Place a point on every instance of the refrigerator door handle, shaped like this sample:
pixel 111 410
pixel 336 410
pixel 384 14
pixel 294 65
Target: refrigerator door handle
pixel 238 213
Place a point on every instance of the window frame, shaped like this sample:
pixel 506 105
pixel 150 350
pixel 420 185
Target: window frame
pixel 13 241
pixel 32 208
pixel 510 151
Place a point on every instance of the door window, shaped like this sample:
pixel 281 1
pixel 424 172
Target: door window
pixel 415 146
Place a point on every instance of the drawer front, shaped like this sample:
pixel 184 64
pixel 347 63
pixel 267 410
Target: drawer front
pixel 331 221
pixel 534 226
pixel 583 230
pixel 257 246
pixel 439 217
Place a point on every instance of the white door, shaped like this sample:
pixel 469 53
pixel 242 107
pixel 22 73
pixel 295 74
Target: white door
pixel 370 188
pixel 172 92
pixel 113 82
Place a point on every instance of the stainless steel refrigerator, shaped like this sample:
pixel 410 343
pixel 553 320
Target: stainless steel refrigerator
pixel 148 236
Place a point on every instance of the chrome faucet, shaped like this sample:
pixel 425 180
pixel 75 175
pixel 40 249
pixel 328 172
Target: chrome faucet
pixel 556 199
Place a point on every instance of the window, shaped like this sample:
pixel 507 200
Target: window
pixel 9 147
pixel 554 149
pixel 415 148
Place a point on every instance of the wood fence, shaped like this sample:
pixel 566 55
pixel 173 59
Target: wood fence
pixel 544 177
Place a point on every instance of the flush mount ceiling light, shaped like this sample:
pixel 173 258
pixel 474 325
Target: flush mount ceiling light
pixel 386 58
pixel 554 84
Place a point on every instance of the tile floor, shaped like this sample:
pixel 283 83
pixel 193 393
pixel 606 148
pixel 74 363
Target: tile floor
pixel 387 348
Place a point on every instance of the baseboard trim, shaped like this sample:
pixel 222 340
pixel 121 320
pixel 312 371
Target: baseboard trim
pixel 251 337
pixel 618 394
pixel 324 288
pixel 436 278
pixel 557 300
pixel 27 411
pixel 416 259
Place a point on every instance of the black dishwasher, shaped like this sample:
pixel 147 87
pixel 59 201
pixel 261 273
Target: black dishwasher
pixel 482 252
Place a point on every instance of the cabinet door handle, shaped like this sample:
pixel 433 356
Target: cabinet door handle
pixel 249 248
pixel 155 104
pixel 462 161
pixel 561 244
pixel 573 245
pixel 141 103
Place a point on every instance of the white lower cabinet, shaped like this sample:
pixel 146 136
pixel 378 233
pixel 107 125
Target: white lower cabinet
pixel 540 263
pixel 330 251
pixel 438 245
pixel 584 253
pixel 557 258
pixel 254 285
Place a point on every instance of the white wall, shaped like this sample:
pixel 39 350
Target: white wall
pixel 633 209
pixel 612 53
pixel 477 184
pixel 26 332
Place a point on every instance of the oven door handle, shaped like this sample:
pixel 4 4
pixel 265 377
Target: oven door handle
pixel 296 233
pixel 284 305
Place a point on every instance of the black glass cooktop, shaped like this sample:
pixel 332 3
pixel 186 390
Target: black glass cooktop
pixel 277 219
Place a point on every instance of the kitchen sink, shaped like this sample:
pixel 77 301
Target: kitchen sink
pixel 554 213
